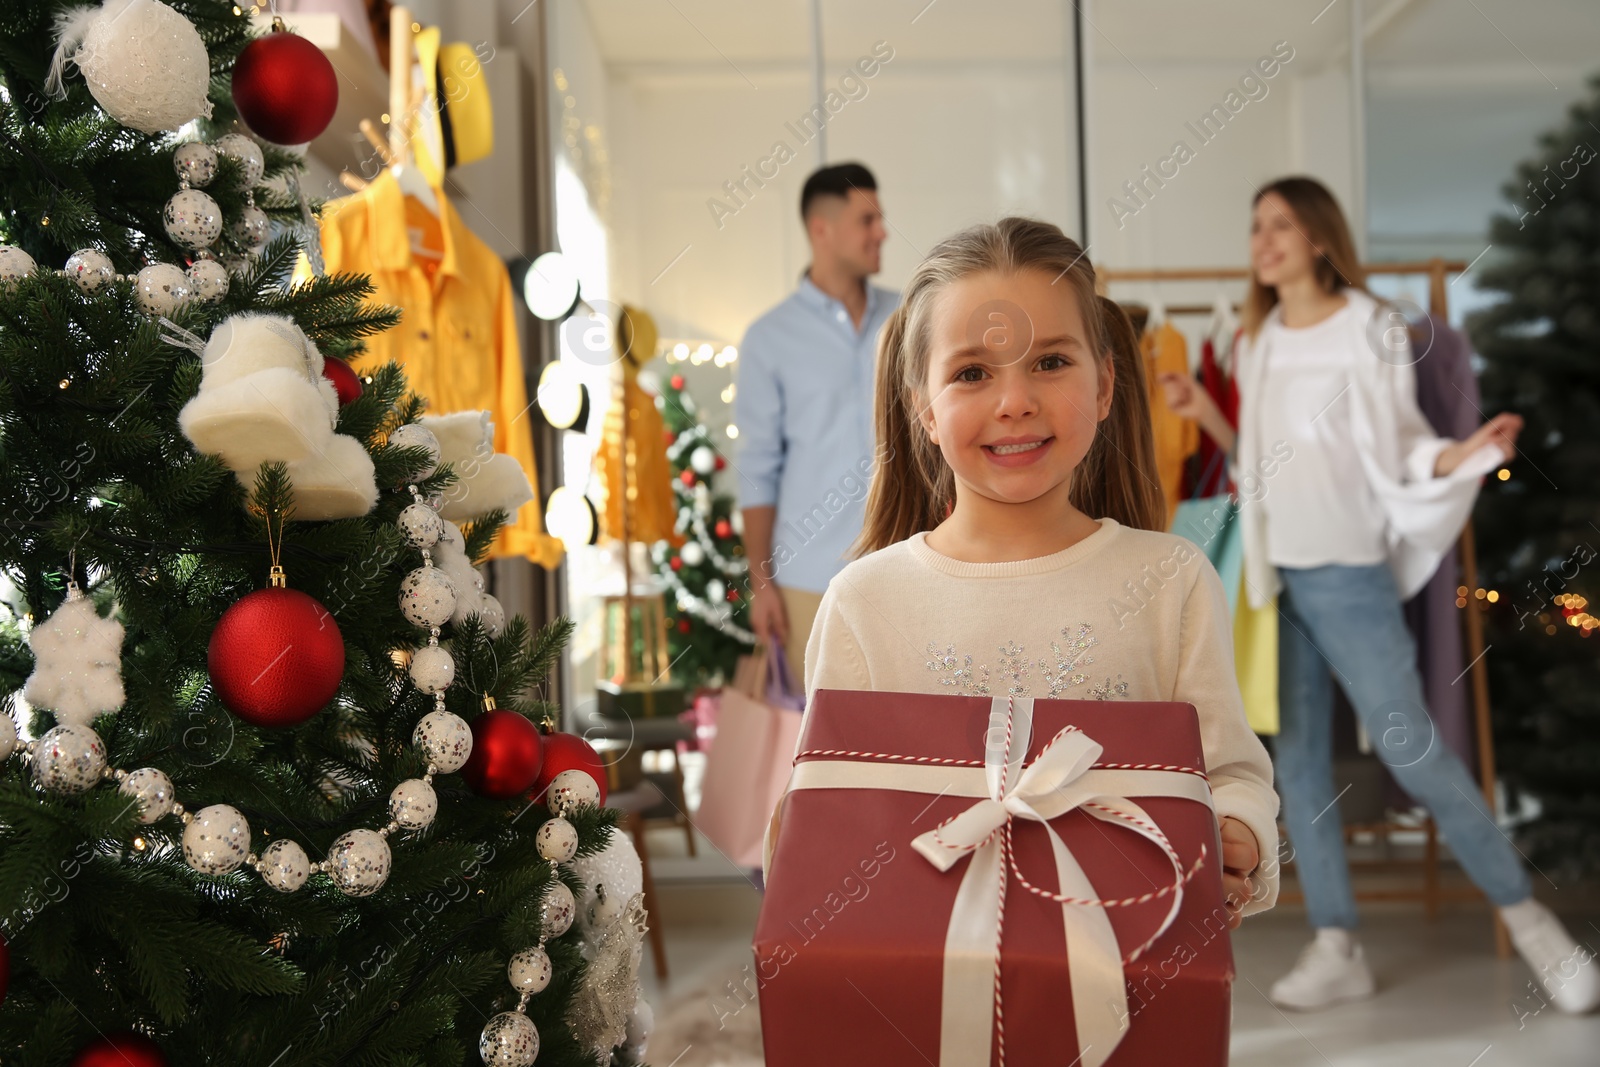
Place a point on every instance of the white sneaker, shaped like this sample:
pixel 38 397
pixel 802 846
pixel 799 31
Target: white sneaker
pixel 1331 970
pixel 1568 973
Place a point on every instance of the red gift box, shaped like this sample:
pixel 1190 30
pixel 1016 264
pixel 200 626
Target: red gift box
pixel 922 834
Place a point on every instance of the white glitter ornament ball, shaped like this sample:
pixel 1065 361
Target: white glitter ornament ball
pixel 530 970
pixel 69 759
pixel 251 229
pixel 692 554
pixel 420 525
pixel 427 597
pixel 492 614
pixel 606 908
pixel 510 1040
pixel 716 591
pixel 192 219
pixel 617 868
pixel 445 740
pixel 8 736
pixel 359 862
pixel 415 435
pixel 557 840
pixel 216 840
pixel 413 804
pixel 703 460
pixel 570 789
pixel 208 280
pixel 432 669
pixel 14 264
pixel 251 163
pixel 91 269
pixel 196 163
pixel 160 288
pixel 285 866
pixel 556 910
pixel 151 791
pixel 641 1020
pixel 145 63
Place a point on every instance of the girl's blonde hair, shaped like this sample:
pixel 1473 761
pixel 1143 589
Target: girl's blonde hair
pixel 1318 217
pixel 913 487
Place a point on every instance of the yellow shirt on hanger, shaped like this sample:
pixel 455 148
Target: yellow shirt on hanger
pixel 1176 438
pixel 457 338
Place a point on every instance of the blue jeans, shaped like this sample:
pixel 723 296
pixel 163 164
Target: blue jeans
pixel 1348 618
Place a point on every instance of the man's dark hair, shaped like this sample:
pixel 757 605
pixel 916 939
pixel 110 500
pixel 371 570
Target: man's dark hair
pixel 836 180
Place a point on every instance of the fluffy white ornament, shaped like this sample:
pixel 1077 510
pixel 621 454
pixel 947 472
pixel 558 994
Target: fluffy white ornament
pixel 616 867
pixel 69 759
pixel 509 1040
pixel 427 597
pixel 716 591
pixel 284 865
pixel 8 735
pixel 486 480
pixel 195 162
pixel 703 460
pixel 432 669
pixel 151 791
pixel 192 219
pixel 420 525
pixel 15 264
pixel 415 435
pixel 209 280
pixel 251 162
pixel 571 789
pixel 250 228
pixel 530 970
pixel 450 556
pixel 557 840
pixel 413 804
pixel 77 662
pixel 359 862
pixel 217 840
pixel 160 288
pixel 445 740
pixel 145 63
pixel 692 554
pixel 556 910
pixel 91 269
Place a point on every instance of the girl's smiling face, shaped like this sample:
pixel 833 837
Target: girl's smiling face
pixel 1014 392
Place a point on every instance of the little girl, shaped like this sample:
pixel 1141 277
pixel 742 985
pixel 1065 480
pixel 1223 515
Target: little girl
pixel 1012 542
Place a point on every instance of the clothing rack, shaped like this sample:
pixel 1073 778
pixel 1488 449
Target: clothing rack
pixel 1437 271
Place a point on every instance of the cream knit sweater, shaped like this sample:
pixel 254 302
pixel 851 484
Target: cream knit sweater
pixel 1124 614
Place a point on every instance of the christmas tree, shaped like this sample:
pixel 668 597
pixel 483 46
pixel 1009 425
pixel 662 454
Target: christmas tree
pixel 707 576
pixel 1538 538
pixel 268 755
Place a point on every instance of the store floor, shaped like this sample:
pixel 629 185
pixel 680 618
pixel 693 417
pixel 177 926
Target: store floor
pixel 1444 998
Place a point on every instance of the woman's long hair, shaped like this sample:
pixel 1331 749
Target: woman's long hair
pixel 1317 215
pixel 912 486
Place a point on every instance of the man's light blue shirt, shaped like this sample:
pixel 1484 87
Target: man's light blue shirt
pixel 804 411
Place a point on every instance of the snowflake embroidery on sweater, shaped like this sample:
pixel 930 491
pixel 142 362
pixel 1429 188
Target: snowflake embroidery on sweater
pixel 1058 674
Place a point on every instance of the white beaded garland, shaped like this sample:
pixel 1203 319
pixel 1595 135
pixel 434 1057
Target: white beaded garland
pixel 557 840
pixel 530 970
pixel 69 759
pixel 8 736
pixel 251 162
pixel 445 739
pixel 208 280
pixel 415 435
pixel 509 1040
pixel 192 219
pixel 427 598
pixel 432 669
pixel 284 865
pixel 250 228
pixel 151 791
pixel 413 804
pixel 692 554
pixel 420 525
pixel 91 269
pixel 703 460
pixel 570 789
pixel 217 839
pixel 195 162
pixel 556 910
pixel 15 263
pixel 359 862
pixel 160 288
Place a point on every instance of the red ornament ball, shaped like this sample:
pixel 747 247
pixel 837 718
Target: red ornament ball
pixel 120 1050
pixel 720 463
pixel 723 529
pixel 677 381
pixel 684 626
pixel 507 753
pixel 346 382
pixel 569 752
pixel 667 437
pixel 687 477
pixel 276 658
pixel 285 88
pixel 676 563
pixel 733 596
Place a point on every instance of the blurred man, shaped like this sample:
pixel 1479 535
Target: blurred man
pixel 804 411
